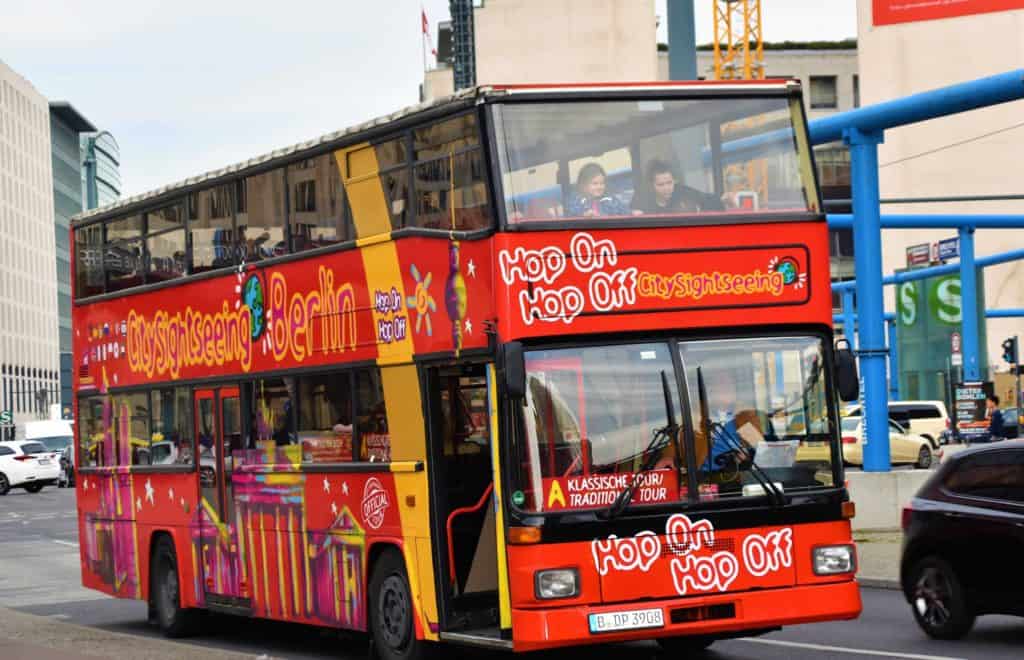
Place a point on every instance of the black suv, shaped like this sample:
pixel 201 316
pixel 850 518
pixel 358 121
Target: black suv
pixel 963 540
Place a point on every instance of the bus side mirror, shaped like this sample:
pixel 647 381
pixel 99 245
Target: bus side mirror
pixel 846 372
pixel 515 370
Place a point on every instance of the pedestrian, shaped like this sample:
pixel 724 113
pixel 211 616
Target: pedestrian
pixel 995 418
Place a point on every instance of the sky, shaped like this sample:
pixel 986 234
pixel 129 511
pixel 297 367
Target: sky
pixel 188 86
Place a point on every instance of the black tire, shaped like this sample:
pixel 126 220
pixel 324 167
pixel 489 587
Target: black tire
pixel 391 611
pixel 685 646
pixel 924 458
pixel 34 488
pixel 165 593
pixel 5 484
pixel 937 600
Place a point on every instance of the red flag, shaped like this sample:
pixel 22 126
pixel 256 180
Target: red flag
pixel 426 25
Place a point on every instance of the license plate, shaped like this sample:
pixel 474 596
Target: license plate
pixel 626 620
pixel 44 461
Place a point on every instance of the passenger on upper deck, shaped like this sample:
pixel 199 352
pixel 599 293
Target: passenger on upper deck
pixel 589 198
pixel 666 195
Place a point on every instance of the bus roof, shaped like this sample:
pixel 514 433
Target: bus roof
pixel 461 98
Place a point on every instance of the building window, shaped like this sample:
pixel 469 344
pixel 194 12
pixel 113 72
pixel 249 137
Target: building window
pixel 833 163
pixel 165 243
pixel 856 91
pixel 450 184
pixel 823 93
pixel 319 214
pixel 211 227
pixel 261 216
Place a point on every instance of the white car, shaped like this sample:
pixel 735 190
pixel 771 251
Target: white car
pixel 27 464
pixel 925 418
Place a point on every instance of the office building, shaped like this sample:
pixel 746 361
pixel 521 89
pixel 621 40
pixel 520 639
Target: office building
pixel 29 342
pixel 66 125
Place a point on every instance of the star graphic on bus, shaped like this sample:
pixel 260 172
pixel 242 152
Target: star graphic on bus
pixel 421 301
pixel 149 491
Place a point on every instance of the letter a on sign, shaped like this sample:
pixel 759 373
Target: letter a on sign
pixel 555 494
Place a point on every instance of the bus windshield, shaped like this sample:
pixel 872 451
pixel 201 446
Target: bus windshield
pixel 758 408
pixel 625 159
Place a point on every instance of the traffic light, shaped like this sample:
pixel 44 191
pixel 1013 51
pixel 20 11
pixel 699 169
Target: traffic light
pixel 1010 350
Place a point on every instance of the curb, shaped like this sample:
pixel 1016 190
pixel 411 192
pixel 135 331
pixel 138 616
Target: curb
pixel 879 583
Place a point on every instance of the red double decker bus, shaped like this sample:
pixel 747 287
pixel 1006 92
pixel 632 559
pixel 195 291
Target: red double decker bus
pixel 523 368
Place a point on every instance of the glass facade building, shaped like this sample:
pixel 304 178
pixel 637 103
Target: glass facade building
pixel 71 138
pixel 100 186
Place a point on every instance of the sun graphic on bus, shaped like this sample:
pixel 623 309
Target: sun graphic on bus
pixel 790 271
pixel 421 301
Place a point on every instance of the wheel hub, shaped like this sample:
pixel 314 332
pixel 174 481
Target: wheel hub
pixel 394 612
pixel 931 598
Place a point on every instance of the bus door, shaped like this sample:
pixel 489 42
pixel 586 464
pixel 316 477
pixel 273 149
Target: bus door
pixel 218 433
pixel 462 490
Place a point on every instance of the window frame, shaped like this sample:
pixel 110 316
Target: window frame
pixel 959 466
pixel 835 92
pixel 815 211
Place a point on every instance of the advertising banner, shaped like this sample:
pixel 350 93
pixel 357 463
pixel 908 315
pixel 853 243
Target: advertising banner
pixel 971 424
pixel 889 12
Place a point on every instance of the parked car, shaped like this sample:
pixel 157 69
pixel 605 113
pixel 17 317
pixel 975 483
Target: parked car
pixel 925 418
pixel 26 464
pixel 963 538
pixel 904 447
pixel 1011 422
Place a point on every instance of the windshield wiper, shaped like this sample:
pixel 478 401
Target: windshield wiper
pixel 662 438
pixel 710 427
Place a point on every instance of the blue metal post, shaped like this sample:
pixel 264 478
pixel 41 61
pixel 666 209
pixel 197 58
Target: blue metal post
pixel 1004 313
pixel 969 304
pixel 849 318
pixel 867 236
pixel 894 359
pixel 682 41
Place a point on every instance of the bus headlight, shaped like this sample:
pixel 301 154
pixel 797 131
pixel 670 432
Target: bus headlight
pixel 556 583
pixel 834 560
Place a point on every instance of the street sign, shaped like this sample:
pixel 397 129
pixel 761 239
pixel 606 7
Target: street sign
pixel 919 255
pixel 6 417
pixel 949 248
pixel 955 343
pixel 957 359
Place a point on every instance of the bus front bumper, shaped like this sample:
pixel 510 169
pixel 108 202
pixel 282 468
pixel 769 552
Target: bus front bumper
pixel 752 610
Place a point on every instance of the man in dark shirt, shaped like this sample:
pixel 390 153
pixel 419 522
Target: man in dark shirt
pixel 995 418
pixel 666 195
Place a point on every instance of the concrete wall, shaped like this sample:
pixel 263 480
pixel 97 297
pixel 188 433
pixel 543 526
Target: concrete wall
pixel 881 496
pixel 800 64
pixel 570 40
pixel 896 60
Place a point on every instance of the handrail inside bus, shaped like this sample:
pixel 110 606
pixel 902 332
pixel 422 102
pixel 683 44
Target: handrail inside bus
pixel 451 519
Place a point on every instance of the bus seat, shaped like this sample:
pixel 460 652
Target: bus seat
pixel 483 572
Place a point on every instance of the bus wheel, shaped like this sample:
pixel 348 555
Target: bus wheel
pixel 391 611
pixel 684 646
pixel 174 620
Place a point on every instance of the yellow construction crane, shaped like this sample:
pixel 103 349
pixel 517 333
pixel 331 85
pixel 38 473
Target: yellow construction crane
pixel 739 55
pixel 739 48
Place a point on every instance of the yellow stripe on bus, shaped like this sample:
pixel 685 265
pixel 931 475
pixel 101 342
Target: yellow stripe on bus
pixel 504 600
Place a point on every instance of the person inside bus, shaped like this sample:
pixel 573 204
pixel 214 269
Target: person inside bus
pixel 736 427
pixel 666 194
pixel 590 198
